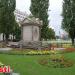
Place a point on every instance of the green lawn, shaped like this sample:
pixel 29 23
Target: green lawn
pixel 28 65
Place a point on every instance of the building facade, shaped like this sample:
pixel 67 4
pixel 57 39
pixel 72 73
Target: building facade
pixel 19 15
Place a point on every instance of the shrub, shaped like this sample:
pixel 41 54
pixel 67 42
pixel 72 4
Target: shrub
pixel 67 45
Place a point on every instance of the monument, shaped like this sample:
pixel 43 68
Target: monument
pixel 31 33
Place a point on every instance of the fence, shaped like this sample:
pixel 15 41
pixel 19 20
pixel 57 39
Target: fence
pixel 57 44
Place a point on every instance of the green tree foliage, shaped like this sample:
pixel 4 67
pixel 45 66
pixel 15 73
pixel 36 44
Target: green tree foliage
pixel 69 18
pixel 7 18
pixel 16 32
pixel 50 33
pixel 39 9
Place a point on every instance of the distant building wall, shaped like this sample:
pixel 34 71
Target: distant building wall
pixel 1 37
pixel 19 15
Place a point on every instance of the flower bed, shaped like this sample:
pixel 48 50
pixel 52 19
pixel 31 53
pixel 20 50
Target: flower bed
pixel 56 61
pixel 69 50
pixel 43 52
pixel 31 52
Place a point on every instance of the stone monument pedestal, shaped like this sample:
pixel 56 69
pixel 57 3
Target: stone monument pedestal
pixel 31 45
pixel 31 33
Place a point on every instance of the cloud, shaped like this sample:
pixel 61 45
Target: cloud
pixel 55 15
pixel 23 5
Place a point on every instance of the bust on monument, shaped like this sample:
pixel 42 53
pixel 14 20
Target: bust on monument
pixel 31 32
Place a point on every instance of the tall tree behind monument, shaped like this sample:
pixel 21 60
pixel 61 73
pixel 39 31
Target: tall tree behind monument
pixel 7 18
pixel 68 23
pixel 39 9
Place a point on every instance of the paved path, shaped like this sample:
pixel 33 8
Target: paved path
pixel 5 49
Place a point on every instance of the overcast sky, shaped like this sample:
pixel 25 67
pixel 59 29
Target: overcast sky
pixel 55 17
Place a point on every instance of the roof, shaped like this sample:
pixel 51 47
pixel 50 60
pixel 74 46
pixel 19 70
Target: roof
pixel 31 21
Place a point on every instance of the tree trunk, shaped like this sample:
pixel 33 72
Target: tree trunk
pixel 13 37
pixel 6 38
pixel 72 41
pixel 3 37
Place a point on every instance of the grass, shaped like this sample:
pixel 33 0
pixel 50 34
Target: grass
pixel 28 65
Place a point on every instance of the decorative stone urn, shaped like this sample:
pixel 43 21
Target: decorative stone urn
pixel 31 32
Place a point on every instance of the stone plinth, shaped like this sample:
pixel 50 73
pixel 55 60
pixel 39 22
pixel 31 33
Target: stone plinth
pixel 30 33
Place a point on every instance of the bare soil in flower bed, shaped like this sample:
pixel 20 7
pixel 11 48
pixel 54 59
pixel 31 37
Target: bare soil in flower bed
pixel 69 50
pixel 56 63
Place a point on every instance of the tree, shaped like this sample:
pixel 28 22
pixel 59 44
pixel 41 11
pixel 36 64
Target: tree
pixel 16 32
pixel 68 23
pixel 7 17
pixel 50 33
pixel 39 9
